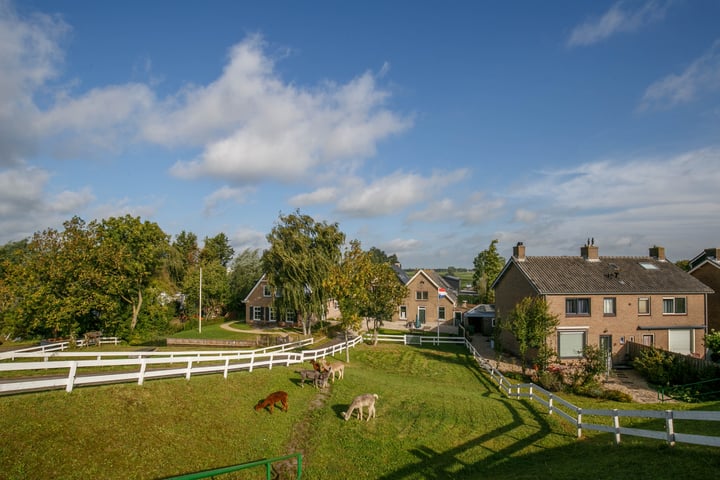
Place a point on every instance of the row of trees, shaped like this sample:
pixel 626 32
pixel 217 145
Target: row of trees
pixel 121 275
pixel 128 278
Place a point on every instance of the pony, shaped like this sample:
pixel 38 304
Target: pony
pixel 319 366
pixel 272 399
pixel 366 400
pixel 321 380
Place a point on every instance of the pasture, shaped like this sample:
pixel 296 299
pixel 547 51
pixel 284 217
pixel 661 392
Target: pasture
pixel 437 416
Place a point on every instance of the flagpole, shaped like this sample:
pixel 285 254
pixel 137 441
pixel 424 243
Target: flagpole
pixel 200 305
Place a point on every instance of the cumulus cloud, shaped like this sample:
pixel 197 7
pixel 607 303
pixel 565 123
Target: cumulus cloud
pixel 394 193
pixel 701 76
pixel 254 126
pixel 627 202
pixel 617 19
pixel 319 196
pixel 26 203
pixel 226 195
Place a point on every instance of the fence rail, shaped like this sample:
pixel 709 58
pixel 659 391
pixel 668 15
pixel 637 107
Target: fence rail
pixel 141 366
pixel 410 339
pixel 556 405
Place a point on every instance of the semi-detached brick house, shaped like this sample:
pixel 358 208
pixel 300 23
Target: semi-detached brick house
pixel 706 268
pixel 608 301
pixel 431 300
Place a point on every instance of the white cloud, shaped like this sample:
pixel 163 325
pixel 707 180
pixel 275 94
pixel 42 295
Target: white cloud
pixel 701 76
pixel 26 206
pixel 617 20
pixel 524 216
pixel 394 193
pixel 248 238
pixel 255 127
pixel 319 196
pixel 29 57
pixel 224 195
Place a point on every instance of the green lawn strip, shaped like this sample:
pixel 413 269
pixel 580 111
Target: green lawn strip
pixel 438 416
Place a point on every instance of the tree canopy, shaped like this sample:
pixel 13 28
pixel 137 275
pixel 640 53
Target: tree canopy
pixel 530 322
pixel 488 264
pixel 300 258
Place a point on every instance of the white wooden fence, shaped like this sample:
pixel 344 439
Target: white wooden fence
pixel 141 366
pixel 410 339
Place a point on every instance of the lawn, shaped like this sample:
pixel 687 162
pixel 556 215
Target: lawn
pixel 438 416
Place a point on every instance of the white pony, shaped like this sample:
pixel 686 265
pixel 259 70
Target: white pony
pixel 366 400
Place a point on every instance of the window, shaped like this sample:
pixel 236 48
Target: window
pixel 441 313
pixel 291 317
pixel 571 344
pixel 403 312
pixel 266 290
pixel 674 306
pixel 648 340
pixel 644 306
pixel 681 341
pixel 257 313
pixel 577 306
pixel 421 295
pixel 609 306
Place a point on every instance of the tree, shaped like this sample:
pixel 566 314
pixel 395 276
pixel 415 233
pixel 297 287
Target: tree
pixel 530 322
pixel 183 255
pixel 217 248
pixel 131 253
pixel 387 292
pixel 298 263
pixel 488 265
pixel 215 290
pixel 683 264
pixel 379 256
pixel 245 270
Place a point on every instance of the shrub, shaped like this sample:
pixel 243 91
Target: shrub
pixel 617 396
pixel 551 380
pixel 655 365
pixel 712 341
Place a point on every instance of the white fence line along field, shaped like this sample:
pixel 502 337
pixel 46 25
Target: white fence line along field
pixel 574 415
pixel 150 365
pixel 213 361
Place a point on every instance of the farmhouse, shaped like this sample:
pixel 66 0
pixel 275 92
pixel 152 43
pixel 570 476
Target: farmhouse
pixel 259 306
pixel 608 301
pixel 706 268
pixel 431 300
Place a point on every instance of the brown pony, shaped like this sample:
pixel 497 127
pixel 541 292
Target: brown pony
pixel 272 399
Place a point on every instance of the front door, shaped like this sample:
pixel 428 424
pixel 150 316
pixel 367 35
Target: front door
pixel 606 349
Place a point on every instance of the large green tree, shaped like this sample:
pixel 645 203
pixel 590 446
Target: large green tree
pixel 245 270
pixel 488 265
pixel 301 255
pixel 217 248
pixel 183 255
pixel 132 253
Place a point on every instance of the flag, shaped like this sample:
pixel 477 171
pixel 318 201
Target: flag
pixel 441 292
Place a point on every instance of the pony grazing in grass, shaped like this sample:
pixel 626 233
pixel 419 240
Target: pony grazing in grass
pixel 272 399
pixel 366 400
pixel 311 376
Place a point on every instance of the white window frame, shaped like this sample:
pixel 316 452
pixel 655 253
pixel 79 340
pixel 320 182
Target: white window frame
pixel 577 302
pixel 272 315
pixel 257 314
pixel 645 300
pixel 266 291
pixel 567 334
pixel 403 312
pixel 441 313
pixel 673 302
pixel 609 306
pixel 421 295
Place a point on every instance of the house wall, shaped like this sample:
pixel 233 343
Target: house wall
pixel 256 299
pixel 513 288
pixel 709 274
pixel 628 325
pixel 423 283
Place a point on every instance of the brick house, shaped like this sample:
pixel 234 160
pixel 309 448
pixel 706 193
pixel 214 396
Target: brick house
pixel 431 300
pixel 608 301
pixel 258 306
pixel 706 268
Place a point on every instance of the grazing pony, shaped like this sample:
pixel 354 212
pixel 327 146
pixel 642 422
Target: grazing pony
pixel 272 399
pixel 318 366
pixel 366 400
pixel 321 380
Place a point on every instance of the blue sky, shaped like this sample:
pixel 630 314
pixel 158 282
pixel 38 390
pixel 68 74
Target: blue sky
pixel 425 129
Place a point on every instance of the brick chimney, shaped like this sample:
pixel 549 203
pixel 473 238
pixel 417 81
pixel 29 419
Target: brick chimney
pixel 519 252
pixel 658 253
pixel 589 251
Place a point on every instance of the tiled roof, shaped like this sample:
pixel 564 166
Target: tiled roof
pixel 607 275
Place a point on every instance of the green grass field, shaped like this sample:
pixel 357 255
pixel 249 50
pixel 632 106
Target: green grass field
pixel 438 416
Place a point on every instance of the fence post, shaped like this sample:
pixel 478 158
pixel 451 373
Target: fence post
pixel 189 369
pixel 550 404
pixel 71 377
pixel 669 427
pixel 143 366
pixel 616 425
pixel 227 364
pixel 271 361
pixel 579 423
pixel 252 360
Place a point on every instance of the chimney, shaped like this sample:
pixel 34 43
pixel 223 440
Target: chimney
pixel 519 252
pixel 589 251
pixel 658 253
